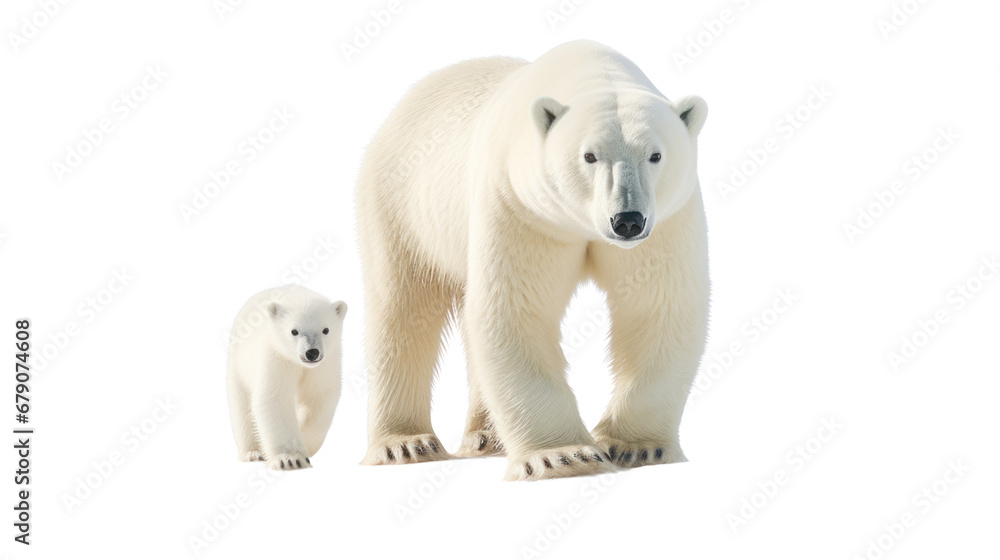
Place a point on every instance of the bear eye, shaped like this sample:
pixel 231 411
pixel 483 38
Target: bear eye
pixel 326 331
pixel 295 332
pixel 654 158
pixel 589 157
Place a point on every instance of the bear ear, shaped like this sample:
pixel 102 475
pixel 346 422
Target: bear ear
pixel 340 308
pixel 544 113
pixel 275 311
pixel 693 111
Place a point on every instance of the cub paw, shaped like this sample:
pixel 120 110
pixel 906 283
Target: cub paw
pixel 571 460
pixel 289 462
pixel 397 450
pixel 251 456
pixel 480 443
pixel 639 454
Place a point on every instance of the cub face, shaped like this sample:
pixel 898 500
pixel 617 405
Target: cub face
pixel 303 336
pixel 616 162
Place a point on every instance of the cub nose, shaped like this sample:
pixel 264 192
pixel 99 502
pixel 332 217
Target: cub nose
pixel 628 224
pixel 312 354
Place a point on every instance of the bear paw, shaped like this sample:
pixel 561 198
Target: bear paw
pixel 251 456
pixel 571 460
pixel 289 462
pixel 639 454
pixel 480 443
pixel 397 450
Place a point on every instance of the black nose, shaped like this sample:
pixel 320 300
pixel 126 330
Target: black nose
pixel 628 224
pixel 312 354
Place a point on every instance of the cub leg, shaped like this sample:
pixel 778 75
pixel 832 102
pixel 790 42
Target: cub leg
pixel 247 445
pixel 316 405
pixel 273 404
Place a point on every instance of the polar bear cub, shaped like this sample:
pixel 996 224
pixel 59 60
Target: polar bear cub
pixel 284 375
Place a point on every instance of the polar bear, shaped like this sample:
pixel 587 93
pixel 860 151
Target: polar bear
pixel 284 375
pixel 492 190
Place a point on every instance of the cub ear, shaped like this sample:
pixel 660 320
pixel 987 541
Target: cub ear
pixel 692 110
pixel 544 113
pixel 340 308
pixel 275 311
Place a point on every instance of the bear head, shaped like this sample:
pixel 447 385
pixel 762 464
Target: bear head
pixel 614 162
pixel 304 333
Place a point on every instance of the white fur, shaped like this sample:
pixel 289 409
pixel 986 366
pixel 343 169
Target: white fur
pixel 281 404
pixel 475 203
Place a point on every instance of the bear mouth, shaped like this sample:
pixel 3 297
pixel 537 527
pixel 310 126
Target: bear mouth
pixel 625 242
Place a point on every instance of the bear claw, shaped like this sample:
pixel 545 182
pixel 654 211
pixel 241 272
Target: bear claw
pixel 251 456
pixel 289 462
pixel 566 461
pixel 480 443
pixel 629 455
pixel 406 449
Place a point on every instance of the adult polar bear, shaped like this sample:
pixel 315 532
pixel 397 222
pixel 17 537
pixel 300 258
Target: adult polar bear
pixel 492 190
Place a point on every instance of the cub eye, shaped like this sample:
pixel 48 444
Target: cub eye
pixel 295 332
pixel 654 158
pixel 326 331
pixel 589 157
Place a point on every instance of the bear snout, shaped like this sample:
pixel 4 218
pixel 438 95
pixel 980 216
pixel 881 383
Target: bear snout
pixel 628 224
pixel 312 355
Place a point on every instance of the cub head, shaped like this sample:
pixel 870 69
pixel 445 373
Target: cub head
pixel 615 162
pixel 305 335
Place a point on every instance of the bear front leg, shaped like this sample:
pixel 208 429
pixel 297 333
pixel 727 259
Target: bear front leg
pixel 653 366
pixel 278 426
pixel 316 409
pixel 516 296
pixel 480 438
pixel 658 298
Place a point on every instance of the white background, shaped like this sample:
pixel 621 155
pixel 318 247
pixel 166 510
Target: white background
pixel 758 418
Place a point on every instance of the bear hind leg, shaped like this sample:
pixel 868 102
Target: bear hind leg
pixel 406 314
pixel 247 443
pixel 480 438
